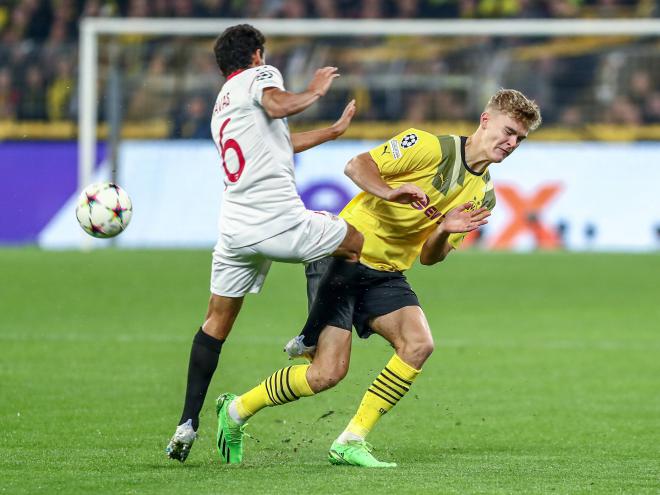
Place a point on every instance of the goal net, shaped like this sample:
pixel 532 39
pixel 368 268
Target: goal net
pixel 155 81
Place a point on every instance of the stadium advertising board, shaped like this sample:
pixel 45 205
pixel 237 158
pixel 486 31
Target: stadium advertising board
pixel 550 195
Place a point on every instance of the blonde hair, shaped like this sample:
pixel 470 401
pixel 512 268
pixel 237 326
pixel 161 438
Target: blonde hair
pixel 517 106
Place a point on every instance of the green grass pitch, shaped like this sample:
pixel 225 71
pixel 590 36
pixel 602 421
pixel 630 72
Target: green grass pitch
pixel 545 379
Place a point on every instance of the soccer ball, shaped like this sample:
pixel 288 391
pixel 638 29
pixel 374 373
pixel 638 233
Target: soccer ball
pixel 104 210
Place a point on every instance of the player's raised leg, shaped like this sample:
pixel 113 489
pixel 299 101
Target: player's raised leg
pixel 408 332
pixel 285 385
pixel 351 247
pixel 326 292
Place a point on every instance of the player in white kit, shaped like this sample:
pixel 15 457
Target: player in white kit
pixel 262 217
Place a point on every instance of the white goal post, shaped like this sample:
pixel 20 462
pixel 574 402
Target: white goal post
pixel 93 27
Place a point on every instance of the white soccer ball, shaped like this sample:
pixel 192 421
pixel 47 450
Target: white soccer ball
pixel 104 210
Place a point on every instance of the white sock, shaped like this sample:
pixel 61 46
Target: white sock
pixel 233 412
pixel 346 436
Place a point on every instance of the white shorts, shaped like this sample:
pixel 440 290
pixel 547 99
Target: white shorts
pixel 237 271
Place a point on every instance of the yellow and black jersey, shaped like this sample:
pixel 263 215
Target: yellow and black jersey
pixel 395 233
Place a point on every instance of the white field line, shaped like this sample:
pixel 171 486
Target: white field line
pixel 269 341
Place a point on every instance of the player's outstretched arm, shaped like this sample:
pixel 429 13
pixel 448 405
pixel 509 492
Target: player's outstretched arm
pixel 458 220
pixel 305 140
pixel 363 170
pixel 279 104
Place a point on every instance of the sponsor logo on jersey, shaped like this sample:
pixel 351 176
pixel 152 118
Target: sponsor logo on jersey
pixel 409 140
pixel 429 210
pixel 396 151
pixel 475 204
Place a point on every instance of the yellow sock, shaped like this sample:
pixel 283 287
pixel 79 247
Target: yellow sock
pixel 283 386
pixel 383 394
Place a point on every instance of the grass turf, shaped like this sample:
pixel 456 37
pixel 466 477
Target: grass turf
pixel 545 379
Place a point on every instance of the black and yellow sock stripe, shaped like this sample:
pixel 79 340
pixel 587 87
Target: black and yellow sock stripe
pixel 284 386
pixel 280 387
pixel 389 386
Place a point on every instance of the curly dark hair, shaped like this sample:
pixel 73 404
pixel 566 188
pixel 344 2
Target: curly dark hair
pixel 234 48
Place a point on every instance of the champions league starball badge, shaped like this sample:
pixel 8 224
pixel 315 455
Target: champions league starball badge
pixel 408 140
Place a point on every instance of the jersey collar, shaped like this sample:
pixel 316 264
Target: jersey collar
pixel 463 141
pixel 235 73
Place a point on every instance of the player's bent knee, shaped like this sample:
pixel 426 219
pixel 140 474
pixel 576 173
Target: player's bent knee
pixel 332 379
pixel 425 349
pixel 328 377
pixel 416 353
pixel 357 239
pixel 351 246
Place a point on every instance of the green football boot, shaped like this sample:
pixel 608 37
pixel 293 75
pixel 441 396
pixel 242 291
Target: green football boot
pixel 355 453
pixel 230 433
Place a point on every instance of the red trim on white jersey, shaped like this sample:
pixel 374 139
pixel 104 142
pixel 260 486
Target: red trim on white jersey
pixel 235 73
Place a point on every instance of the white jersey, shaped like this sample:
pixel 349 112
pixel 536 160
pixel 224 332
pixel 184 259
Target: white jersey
pixel 260 198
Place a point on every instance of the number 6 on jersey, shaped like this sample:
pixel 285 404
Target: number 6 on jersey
pixel 230 144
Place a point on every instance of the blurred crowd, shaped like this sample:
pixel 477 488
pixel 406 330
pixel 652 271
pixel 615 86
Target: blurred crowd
pixel 576 80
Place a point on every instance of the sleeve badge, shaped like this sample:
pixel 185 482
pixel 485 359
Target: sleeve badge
pixel 264 75
pixel 409 140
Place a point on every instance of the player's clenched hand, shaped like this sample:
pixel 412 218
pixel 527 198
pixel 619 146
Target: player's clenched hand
pixel 344 121
pixel 405 194
pixel 322 80
pixel 461 219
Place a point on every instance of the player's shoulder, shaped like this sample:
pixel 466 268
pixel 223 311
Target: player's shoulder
pixel 266 68
pixel 410 145
pixel 414 135
pixel 265 72
pixel 414 139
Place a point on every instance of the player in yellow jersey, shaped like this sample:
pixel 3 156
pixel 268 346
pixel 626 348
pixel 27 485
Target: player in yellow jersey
pixel 450 175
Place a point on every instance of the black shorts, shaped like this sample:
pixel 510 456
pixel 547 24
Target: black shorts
pixel 376 293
